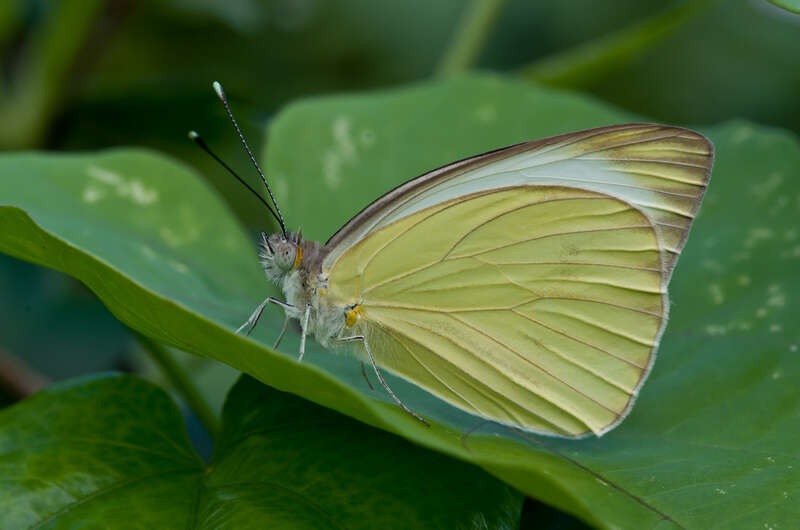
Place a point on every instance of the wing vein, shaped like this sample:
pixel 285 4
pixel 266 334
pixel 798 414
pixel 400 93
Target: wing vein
pixel 587 263
pixel 440 260
pixel 594 300
pixel 433 374
pixel 528 205
pixel 600 327
pixel 559 145
pixel 556 234
pixel 618 184
pixel 702 185
pixel 521 405
pixel 576 339
pixel 540 367
pixel 645 140
pixel 654 160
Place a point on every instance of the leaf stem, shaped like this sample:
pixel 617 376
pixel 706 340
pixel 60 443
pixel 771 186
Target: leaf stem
pixel 470 36
pixel 183 384
pixel 577 67
pixel 39 87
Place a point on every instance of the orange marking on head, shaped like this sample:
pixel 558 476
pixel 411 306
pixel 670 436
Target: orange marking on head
pixel 298 257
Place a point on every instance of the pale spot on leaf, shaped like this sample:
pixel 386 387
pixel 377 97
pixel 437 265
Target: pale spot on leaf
pixel 717 295
pixel 779 204
pixel 765 188
pixel 343 137
pixel 331 173
pixel 178 266
pixel 777 300
pixel 486 113
pixel 148 252
pixel 132 188
pixel 342 150
pixel 281 188
pixel 713 265
pixel 175 239
pixel 756 235
pixel 92 194
pixel 742 134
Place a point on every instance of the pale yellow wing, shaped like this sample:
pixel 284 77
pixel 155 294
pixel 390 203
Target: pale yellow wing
pixel 661 170
pixel 533 306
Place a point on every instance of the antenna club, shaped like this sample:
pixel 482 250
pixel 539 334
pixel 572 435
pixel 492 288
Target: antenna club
pixel 218 90
pixel 194 136
pixel 277 212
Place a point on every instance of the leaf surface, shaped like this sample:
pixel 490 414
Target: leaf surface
pixel 713 437
pixel 95 452
pixel 788 5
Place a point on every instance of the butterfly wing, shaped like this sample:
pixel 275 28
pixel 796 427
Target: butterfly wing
pixel 527 285
pixel 533 306
pixel 661 170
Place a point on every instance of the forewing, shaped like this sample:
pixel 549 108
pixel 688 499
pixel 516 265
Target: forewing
pixel 533 306
pixel 661 170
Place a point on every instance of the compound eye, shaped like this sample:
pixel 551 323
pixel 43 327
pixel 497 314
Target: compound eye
pixel 287 256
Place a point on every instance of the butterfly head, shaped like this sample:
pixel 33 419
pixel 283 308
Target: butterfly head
pixel 280 255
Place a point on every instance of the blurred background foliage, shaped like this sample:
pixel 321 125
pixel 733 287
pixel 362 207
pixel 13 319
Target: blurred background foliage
pixel 90 74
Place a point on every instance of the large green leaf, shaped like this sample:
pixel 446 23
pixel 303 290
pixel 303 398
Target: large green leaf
pixel 789 5
pixel 96 452
pixel 713 437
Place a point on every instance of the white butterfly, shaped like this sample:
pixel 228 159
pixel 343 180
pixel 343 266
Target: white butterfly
pixel 526 285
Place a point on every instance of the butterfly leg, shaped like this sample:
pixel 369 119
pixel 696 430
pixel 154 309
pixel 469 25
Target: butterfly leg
pixel 305 332
pixel 364 373
pixel 470 431
pixel 253 320
pixel 380 377
pixel 283 332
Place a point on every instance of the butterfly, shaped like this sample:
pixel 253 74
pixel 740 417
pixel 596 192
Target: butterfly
pixel 526 285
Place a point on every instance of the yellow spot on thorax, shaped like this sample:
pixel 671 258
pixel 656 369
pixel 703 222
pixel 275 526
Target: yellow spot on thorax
pixel 298 257
pixel 353 315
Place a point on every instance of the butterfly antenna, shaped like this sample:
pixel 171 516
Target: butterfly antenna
pixel 193 136
pixel 224 99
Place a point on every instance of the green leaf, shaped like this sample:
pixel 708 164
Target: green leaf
pixel 98 451
pixel 788 5
pixel 710 441
pixel 714 430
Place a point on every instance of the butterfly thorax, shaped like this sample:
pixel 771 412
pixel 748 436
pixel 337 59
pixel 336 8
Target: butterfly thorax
pixel 295 266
